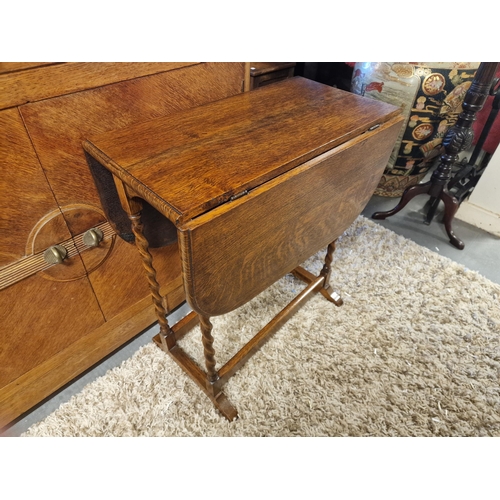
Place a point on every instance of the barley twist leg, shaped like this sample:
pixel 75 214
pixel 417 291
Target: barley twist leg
pixel 327 291
pixel 327 267
pixel 208 349
pixel 147 262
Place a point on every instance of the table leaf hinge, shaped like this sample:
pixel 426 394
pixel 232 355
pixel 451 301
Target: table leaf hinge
pixel 239 195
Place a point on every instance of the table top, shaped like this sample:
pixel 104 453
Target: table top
pixel 192 161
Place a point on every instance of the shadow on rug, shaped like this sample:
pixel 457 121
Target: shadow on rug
pixel 414 351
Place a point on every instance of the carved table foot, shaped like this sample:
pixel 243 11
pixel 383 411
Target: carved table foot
pixel 408 194
pixel 451 206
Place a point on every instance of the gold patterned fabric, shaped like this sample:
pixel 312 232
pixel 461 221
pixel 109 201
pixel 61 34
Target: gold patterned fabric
pixel 430 96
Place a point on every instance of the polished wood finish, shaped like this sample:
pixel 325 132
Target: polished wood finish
pixel 314 202
pixel 255 184
pixel 326 290
pixel 154 286
pixel 167 155
pixel 57 134
pixel 246 83
pixel 49 312
pixel 38 83
pixel 133 287
pixel 182 327
pixel 23 182
pixel 458 138
pixel 8 67
pixel 41 380
pixel 44 332
pixel 39 321
pixel 208 350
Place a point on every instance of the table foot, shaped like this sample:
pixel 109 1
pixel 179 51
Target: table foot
pixel 331 295
pixel 451 206
pixel 225 407
pixel 197 375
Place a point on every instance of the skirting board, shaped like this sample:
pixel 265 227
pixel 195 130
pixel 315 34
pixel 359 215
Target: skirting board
pixel 479 217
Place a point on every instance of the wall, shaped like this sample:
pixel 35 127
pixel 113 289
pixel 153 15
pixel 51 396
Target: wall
pixel 482 209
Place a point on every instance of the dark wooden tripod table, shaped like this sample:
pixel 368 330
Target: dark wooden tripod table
pixel 255 184
pixel 458 138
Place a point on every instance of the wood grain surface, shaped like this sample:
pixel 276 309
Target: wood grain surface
pixel 37 83
pixel 23 185
pixel 64 365
pixel 236 251
pixel 47 317
pixel 197 159
pixel 58 126
pixel 118 290
pixel 9 67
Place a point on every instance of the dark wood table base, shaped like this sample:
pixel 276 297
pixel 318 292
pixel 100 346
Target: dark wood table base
pixel 457 139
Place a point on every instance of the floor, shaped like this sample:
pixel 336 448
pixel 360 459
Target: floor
pixel 480 254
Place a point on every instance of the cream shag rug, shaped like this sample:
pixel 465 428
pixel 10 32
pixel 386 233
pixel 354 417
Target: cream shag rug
pixel 414 351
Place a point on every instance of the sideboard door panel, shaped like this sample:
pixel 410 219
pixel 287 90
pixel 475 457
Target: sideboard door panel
pixel 43 307
pixel 41 317
pixel 118 289
pixel 58 127
pixel 24 192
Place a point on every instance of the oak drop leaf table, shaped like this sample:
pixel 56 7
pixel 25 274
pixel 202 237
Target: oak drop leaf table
pixel 255 184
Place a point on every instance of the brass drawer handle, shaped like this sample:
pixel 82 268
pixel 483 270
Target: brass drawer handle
pixel 55 254
pixel 93 237
pixel 34 263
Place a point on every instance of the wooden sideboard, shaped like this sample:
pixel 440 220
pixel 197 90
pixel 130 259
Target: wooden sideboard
pixel 59 318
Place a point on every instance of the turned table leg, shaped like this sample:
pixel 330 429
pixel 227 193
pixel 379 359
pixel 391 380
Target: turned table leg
pixel 132 206
pixel 141 242
pixel 327 290
pixel 213 381
pixel 208 349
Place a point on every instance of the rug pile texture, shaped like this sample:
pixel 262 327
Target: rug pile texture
pixel 414 351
